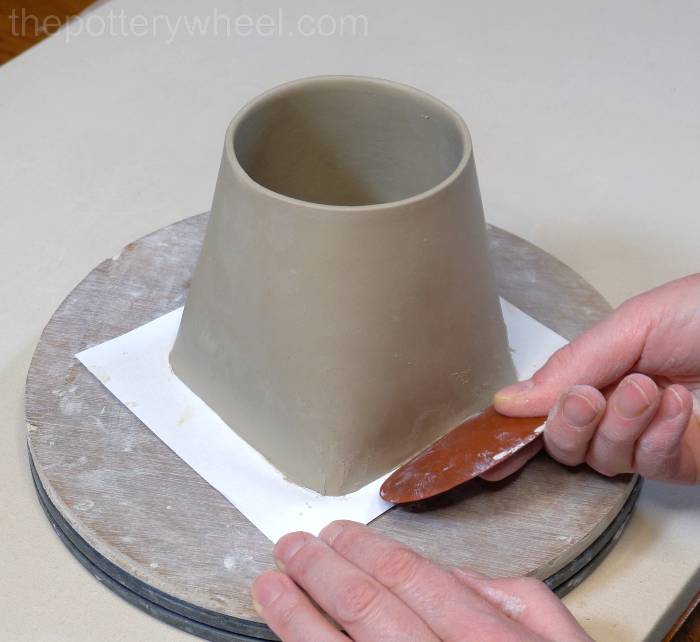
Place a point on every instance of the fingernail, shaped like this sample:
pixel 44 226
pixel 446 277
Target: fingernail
pixel 515 390
pixel 286 547
pixel 330 532
pixel 631 401
pixel 578 410
pixel 266 590
pixel 671 404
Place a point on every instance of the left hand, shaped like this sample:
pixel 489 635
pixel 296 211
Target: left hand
pixel 378 590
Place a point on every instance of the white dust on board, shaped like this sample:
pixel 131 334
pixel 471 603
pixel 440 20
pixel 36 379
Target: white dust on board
pixel 68 404
pixel 232 561
pixel 567 539
pixel 85 505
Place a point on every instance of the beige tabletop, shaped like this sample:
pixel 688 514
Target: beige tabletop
pixel 587 138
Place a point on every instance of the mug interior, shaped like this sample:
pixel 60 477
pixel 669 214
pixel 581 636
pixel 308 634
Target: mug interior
pixel 344 141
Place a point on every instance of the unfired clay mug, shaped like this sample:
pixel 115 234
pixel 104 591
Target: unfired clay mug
pixel 343 313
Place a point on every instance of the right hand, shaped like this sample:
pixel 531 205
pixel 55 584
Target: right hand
pixel 624 396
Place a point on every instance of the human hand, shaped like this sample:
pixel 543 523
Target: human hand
pixel 378 590
pixel 645 358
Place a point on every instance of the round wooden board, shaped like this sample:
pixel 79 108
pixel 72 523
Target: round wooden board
pixel 128 506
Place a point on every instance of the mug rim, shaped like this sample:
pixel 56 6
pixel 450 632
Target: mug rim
pixel 309 81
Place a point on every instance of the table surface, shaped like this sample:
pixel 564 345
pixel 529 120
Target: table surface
pixel 585 126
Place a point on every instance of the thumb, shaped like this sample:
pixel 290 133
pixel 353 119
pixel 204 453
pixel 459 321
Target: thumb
pixel 600 356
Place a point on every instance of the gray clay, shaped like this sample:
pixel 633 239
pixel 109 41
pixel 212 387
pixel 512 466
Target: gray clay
pixel 343 313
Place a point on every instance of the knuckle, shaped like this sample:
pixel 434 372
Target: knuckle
pixel 630 313
pixel 397 567
pixel 357 600
pixel 565 355
pixel 560 361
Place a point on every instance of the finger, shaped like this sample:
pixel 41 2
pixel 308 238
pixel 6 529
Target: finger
pixel 514 463
pixel 598 357
pixel 527 601
pixel 572 423
pixel 430 591
pixel 360 604
pixel 289 613
pixel 659 452
pixel 630 409
pixel 691 449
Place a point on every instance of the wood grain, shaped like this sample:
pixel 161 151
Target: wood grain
pixel 141 507
pixel 23 24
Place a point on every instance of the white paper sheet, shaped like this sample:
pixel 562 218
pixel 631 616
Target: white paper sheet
pixel 135 368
